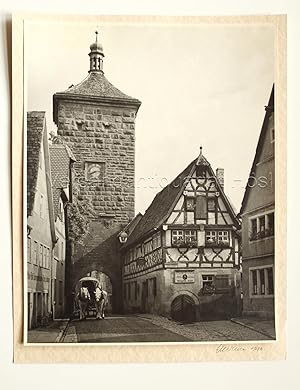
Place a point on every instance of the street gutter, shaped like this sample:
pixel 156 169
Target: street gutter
pixel 62 333
pixel 252 328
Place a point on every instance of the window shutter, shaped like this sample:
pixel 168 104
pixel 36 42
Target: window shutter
pixel 201 207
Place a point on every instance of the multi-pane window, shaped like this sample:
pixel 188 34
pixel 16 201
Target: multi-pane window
pixel 262 226
pixel 35 253
pixel 207 280
pixel 254 282
pixel 211 237
pixel 208 284
pixel 41 255
pixel 220 237
pixel 223 236
pixel 138 252
pixel 131 254
pixel 190 236
pixel 41 211
pixel 28 249
pixel 270 223
pixel 262 223
pixel 254 226
pixel 156 241
pixel 148 246
pixel 45 257
pixel 177 237
pixel 261 281
pixel 184 237
pixel 270 280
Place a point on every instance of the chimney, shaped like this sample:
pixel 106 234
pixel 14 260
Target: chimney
pixel 220 177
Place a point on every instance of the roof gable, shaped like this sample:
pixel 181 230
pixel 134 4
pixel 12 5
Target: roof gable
pixel 164 202
pixel 35 129
pixel 269 110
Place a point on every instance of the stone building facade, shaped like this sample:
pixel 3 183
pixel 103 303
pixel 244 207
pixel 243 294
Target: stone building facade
pixel 182 258
pixel 258 224
pixel 97 122
pixel 41 236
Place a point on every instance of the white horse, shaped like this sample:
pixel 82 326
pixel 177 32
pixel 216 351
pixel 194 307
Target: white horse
pixel 83 301
pixel 101 300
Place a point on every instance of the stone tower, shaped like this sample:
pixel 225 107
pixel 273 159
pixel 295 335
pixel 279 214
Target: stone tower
pixel 97 121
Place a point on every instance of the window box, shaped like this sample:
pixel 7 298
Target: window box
pixel 184 238
pixel 217 238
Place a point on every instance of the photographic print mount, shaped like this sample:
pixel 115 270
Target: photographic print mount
pixel 167 265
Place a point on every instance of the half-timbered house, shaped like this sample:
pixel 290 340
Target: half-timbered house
pixel 182 259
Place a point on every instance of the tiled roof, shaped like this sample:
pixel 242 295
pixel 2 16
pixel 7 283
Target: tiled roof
pixel 269 110
pixel 165 200
pixel 60 156
pixel 160 206
pixel 35 128
pixel 97 85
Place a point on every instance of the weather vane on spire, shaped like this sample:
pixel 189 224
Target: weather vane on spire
pixel 96 32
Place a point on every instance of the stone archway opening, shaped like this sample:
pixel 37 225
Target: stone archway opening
pixel 183 309
pixel 106 284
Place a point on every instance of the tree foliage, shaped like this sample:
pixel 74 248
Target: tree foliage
pixel 80 213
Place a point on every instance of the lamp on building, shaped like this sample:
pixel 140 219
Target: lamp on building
pixel 123 236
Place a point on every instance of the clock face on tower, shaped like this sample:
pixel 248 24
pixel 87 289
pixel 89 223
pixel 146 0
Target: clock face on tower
pixel 94 171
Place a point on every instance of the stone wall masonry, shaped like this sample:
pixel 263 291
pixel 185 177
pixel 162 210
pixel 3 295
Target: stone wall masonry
pixel 102 134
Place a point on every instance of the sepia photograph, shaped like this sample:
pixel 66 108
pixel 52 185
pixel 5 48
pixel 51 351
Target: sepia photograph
pixel 149 182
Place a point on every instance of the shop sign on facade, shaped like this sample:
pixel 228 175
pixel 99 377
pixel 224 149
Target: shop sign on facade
pixel 184 277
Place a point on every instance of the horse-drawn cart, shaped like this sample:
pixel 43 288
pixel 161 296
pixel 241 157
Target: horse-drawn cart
pixel 95 299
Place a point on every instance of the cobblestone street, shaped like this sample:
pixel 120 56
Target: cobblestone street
pixel 152 328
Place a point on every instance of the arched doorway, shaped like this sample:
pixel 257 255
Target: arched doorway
pixel 106 284
pixel 183 309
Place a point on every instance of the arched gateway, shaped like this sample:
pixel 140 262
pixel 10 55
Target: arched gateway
pixel 101 252
pixel 97 122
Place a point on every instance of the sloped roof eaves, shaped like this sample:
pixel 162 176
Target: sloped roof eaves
pixel 60 162
pixel 96 84
pixel 95 88
pixel 159 208
pixel 258 148
pixel 35 128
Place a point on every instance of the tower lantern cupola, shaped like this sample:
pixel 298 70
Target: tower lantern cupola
pixel 96 56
